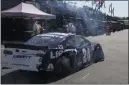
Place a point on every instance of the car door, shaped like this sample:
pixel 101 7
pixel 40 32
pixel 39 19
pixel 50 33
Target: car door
pixel 83 49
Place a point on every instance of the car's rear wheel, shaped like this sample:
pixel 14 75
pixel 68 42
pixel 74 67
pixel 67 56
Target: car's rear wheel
pixel 66 65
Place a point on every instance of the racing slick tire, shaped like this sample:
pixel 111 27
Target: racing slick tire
pixel 98 54
pixel 66 65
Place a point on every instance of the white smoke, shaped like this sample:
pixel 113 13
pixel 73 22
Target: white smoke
pixel 91 18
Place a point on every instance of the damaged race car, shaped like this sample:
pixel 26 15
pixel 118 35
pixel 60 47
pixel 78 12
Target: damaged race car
pixel 56 52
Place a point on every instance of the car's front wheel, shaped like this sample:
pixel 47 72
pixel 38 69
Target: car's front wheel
pixel 98 54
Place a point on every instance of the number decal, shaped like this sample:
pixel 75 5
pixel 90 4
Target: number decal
pixel 88 54
pixel 84 55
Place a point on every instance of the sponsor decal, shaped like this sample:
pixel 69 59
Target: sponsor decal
pixel 41 51
pixel 60 46
pixel 56 54
pixel 50 67
pixel 22 56
pixel 20 65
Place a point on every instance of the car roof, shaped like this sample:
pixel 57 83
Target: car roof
pixel 56 34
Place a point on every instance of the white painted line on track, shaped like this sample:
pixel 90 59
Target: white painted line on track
pixel 85 76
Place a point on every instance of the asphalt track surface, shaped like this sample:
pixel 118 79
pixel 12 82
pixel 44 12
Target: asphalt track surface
pixel 114 70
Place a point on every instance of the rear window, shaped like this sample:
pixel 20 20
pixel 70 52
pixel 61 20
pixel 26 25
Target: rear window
pixel 45 40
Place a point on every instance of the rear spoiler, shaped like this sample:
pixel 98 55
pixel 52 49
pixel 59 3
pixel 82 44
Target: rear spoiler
pixel 25 46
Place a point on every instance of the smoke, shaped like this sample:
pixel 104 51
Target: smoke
pixel 92 19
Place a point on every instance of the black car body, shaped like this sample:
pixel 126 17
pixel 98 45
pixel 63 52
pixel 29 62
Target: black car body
pixel 58 52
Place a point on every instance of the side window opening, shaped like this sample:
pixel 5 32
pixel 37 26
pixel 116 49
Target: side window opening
pixel 70 42
pixel 80 42
pixel 87 42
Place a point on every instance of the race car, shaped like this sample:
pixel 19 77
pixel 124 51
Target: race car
pixel 56 52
